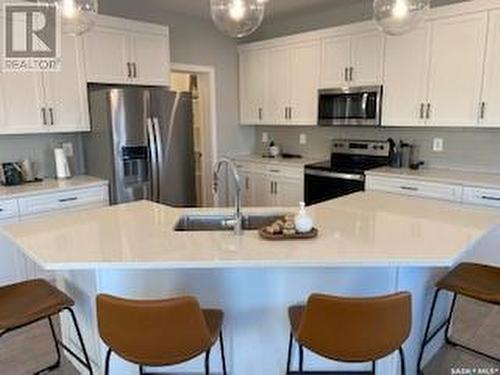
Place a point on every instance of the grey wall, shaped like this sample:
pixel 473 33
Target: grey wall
pixel 464 148
pixel 40 149
pixel 195 41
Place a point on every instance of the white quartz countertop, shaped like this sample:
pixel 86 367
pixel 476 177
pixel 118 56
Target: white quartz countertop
pixel 361 230
pixel 274 161
pixel 48 186
pixel 448 176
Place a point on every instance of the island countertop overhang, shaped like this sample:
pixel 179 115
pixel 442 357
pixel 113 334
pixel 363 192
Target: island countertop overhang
pixel 368 229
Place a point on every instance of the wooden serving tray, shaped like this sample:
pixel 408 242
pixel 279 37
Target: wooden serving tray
pixel 281 237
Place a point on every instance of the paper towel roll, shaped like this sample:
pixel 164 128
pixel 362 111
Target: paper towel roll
pixel 62 166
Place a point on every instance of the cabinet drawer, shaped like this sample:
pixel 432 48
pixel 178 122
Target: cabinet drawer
pixel 277 170
pixel 64 200
pixel 484 197
pixel 8 209
pixel 415 188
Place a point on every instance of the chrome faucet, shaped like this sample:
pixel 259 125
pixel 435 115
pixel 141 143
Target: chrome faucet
pixel 237 223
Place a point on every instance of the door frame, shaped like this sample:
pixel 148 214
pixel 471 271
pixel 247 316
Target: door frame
pixel 210 116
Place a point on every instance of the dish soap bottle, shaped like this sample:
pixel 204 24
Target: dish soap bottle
pixel 303 222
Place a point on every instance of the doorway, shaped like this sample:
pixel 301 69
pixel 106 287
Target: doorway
pixel 200 82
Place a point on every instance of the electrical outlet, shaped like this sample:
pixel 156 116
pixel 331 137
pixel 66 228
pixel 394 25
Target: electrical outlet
pixel 68 149
pixel 265 137
pixel 303 139
pixel 438 145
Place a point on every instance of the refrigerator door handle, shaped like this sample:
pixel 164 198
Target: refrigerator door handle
pixel 153 153
pixel 160 164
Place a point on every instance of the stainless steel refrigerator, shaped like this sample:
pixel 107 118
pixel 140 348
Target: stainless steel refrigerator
pixel 142 142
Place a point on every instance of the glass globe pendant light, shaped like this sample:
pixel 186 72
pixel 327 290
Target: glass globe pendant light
pixel 237 18
pixel 396 17
pixel 78 16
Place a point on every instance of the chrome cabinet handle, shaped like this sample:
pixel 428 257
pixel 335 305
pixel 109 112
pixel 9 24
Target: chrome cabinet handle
pixel 44 115
pixel 275 188
pixel 260 113
pixel 272 187
pixel 346 74
pixel 351 74
pixel 134 70
pixel 51 115
pixel 409 188
pixel 422 111
pixel 71 199
pixel 428 112
pixel 247 183
pixel 286 113
pixel 290 113
pixel 1 209
pixel 490 198
pixel 129 70
pixel 482 111
pixel 274 170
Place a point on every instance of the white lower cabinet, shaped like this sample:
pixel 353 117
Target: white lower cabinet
pixel 15 266
pixel 415 188
pixel 271 186
pixel 483 197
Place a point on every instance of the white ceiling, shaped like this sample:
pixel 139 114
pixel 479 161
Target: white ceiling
pixel 275 8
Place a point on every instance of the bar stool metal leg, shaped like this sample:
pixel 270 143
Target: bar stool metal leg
pixel 403 361
pixel 207 362
pixel 426 340
pixel 85 363
pixel 106 364
pixel 222 353
pixel 374 367
pixel 289 358
pixel 301 359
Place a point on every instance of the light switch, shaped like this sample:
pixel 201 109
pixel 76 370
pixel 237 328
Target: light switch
pixel 265 137
pixel 68 149
pixel 438 145
pixel 303 139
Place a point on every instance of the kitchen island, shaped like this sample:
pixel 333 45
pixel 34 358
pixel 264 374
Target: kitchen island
pixel 369 244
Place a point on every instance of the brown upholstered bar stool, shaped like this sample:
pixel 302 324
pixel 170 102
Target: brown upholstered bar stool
pixel 159 333
pixel 351 329
pixel 32 301
pixel 476 281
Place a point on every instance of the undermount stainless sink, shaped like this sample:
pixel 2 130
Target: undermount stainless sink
pixel 207 223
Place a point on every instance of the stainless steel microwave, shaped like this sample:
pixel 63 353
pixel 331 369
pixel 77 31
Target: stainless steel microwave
pixel 351 106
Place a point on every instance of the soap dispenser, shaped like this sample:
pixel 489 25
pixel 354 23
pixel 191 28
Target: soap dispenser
pixel 303 222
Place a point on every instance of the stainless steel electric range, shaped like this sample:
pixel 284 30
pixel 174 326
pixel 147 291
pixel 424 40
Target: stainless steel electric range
pixel 344 173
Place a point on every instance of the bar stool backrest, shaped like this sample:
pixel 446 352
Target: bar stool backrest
pixel 355 329
pixel 153 333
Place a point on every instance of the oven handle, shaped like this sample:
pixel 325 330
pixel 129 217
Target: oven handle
pixel 342 176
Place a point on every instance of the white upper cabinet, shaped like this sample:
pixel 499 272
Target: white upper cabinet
pixel 456 69
pixel 279 85
pixel 335 61
pixel 107 56
pixel 352 60
pixel 23 107
pixel 254 78
pixel 151 59
pixel 406 78
pixel 66 91
pixel 490 104
pixel 120 55
pixel 305 62
pixel 367 58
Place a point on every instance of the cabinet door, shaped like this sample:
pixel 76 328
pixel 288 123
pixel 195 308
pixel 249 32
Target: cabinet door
pixel 490 111
pixel 151 56
pixel 22 103
pixel 107 56
pixel 280 85
pixel 66 90
pixel 406 77
pixel 289 192
pixel 247 189
pixel 305 63
pixel 456 70
pixel 336 58
pixel 367 58
pixel 254 85
pixel 262 191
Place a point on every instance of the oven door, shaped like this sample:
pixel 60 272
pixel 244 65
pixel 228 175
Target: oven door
pixel 321 186
pixel 350 106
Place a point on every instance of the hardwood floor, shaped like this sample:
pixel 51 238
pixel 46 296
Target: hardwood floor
pixel 28 350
